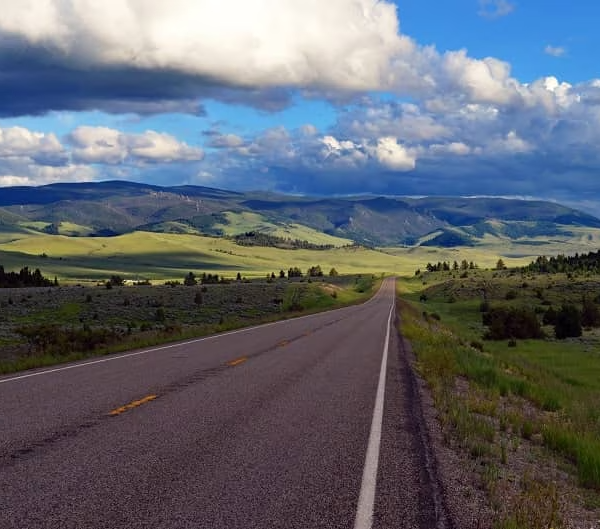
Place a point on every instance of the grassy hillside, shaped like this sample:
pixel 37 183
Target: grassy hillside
pixel 163 256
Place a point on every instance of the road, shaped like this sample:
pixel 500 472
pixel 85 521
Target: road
pixel 307 423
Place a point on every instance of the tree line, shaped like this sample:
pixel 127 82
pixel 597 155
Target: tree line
pixel 24 278
pixel 446 266
pixel 588 262
pixel 253 238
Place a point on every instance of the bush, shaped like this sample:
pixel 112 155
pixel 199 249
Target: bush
pixel 590 314
pixel 160 314
pixel 511 322
pixel 568 323
pixel 511 294
pixel 550 317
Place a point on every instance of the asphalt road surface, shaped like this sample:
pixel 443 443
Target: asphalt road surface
pixel 307 423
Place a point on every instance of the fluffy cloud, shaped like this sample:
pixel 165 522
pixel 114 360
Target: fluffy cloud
pixel 105 53
pixel 108 146
pixel 89 153
pixel 394 156
pixel 18 143
pixel 145 56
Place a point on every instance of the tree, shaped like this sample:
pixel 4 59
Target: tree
pixel 333 272
pixel 294 272
pixel 500 265
pixel 315 271
pixel 281 274
pixel 568 322
pixel 238 277
pixel 116 281
pixel 190 280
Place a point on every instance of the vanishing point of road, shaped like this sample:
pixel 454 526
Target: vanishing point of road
pixel 308 423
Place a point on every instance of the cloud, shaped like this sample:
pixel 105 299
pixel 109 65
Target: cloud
pixel 102 145
pixel 224 141
pixel 89 153
pixel 394 156
pixel 161 56
pixel 147 57
pixel 19 143
pixel 495 8
pixel 555 51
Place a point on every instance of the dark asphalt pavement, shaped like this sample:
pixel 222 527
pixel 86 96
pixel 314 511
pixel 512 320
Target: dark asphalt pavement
pixel 260 428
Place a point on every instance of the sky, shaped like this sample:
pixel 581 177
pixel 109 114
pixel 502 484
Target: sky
pixel 335 97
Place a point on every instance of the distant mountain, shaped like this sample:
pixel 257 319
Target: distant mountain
pixel 115 207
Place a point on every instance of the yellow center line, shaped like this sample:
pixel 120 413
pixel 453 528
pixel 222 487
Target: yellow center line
pixel 237 361
pixel 131 405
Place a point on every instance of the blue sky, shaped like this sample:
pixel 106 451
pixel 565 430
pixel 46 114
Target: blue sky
pixel 416 97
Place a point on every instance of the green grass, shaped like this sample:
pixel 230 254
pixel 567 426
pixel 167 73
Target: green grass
pixel 559 378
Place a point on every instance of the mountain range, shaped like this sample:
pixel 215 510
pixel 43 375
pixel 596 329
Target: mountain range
pixel 117 207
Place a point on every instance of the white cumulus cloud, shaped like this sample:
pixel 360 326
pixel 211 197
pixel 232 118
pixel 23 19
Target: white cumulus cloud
pixel 394 156
pixel 343 43
pixel 38 147
pixel 109 146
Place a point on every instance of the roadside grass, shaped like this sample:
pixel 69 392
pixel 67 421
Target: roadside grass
pixel 543 393
pixel 71 323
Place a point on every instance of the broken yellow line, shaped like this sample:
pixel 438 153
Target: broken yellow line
pixel 237 362
pixel 131 405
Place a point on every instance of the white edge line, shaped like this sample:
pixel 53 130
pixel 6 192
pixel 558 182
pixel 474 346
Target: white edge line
pixel 178 344
pixel 366 500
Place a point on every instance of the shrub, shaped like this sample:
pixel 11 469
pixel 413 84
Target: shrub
pixel 568 322
pixel 511 294
pixel 550 317
pixel 513 322
pixel 160 314
pixel 590 314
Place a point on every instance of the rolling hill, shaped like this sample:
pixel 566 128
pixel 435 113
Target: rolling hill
pixel 116 207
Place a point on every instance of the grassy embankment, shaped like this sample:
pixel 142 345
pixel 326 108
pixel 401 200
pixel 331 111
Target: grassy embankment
pixel 45 326
pixel 516 410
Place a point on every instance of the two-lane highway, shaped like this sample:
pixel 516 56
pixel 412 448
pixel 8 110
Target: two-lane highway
pixel 306 423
